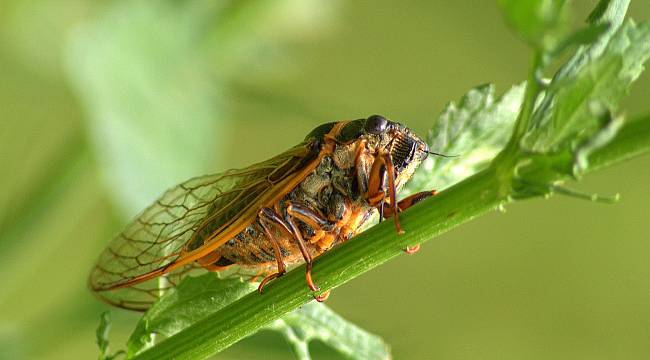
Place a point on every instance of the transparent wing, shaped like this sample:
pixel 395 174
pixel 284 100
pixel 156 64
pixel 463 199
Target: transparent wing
pixel 198 213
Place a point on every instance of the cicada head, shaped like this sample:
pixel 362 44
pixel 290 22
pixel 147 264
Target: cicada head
pixel 407 150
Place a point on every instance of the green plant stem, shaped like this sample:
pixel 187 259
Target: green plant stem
pixel 462 202
pixel 528 106
pixel 506 159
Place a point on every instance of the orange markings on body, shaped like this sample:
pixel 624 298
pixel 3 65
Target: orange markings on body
pixel 318 235
pixel 326 242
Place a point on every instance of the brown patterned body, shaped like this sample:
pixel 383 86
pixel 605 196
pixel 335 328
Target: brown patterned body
pixel 328 191
pixel 277 213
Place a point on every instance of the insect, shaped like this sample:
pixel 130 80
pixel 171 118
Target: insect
pixel 265 217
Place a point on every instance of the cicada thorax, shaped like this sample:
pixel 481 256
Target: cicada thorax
pixel 328 207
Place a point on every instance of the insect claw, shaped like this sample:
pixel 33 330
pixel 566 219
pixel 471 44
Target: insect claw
pixel 310 282
pixel 412 250
pixel 322 297
pixel 266 280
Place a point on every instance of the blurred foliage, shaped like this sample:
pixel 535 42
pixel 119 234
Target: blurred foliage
pixel 555 280
pixel 540 22
pixel 150 74
pixel 315 321
pixel 153 117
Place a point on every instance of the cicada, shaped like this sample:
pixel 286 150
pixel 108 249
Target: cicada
pixel 266 217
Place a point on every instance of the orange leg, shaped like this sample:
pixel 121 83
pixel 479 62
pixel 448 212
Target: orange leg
pixel 358 152
pixel 269 216
pixel 383 168
pixel 276 249
pixel 409 201
pixel 376 192
pixel 309 217
pixel 291 212
pixel 405 204
pixel 392 191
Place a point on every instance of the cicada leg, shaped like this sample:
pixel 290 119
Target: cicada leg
pixel 392 190
pixel 318 223
pixel 304 214
pixel 295 210
pixel 268 216
pixel 310 217
pixel 376 194
pixel 405 204
pixel 383 168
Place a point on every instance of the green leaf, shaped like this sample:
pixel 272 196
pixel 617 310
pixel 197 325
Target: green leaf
pixel 574 118
pixel 571 110
pixel 613 14
pixel 612 11
pixel 602 22
pixel 101 334
pixel 142 74
pixel 315 321
pixel 541 23
pixel 597 13
pixel 476 129
pixel 193 299
pixel 583 36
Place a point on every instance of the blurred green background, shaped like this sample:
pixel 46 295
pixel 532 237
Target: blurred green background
pixel 104 104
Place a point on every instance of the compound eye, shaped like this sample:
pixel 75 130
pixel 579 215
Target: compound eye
pixel 376 124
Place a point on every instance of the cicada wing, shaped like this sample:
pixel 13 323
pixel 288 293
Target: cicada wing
pixel 198 213
pixel 141 296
